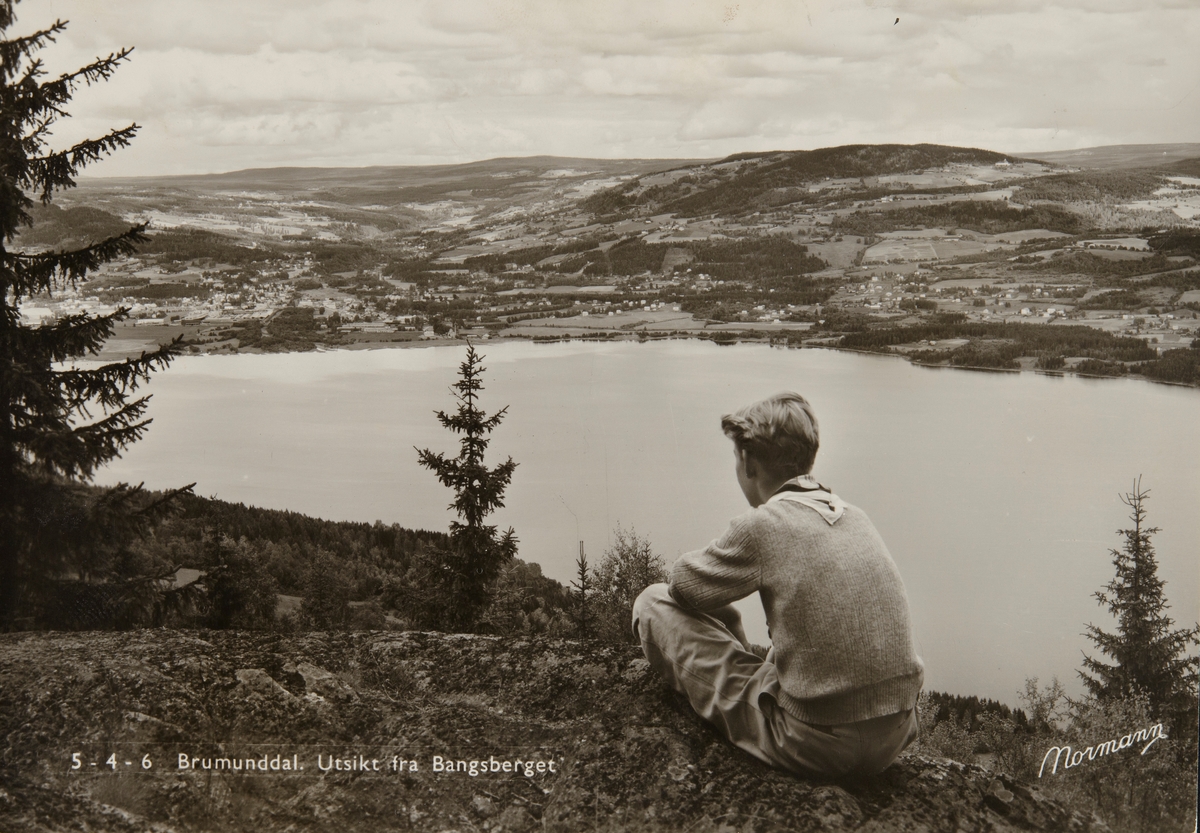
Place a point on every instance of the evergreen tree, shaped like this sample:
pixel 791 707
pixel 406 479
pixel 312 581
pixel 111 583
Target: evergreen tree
pixel 241 592
pixel 1148 656
pixel 326 604
pixel 583 589
pixel 477 550
pixel 58 423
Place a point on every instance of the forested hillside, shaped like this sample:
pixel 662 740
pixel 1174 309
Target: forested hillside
pixel 747 182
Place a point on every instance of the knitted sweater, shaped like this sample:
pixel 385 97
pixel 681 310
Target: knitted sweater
pixel 835 604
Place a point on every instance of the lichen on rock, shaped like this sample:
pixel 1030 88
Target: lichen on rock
pixel 617 749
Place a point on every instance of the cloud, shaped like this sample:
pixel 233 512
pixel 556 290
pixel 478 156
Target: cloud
pixel 228 83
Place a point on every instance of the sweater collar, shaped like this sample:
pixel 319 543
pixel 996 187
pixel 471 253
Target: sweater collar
pixel 803 483
pixel 808 492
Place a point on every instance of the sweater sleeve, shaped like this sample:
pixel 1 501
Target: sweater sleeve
pixel 726 570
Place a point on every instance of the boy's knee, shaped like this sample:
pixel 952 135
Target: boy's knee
pixel 652 594
pixel 646 600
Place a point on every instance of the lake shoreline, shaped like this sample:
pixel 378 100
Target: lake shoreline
pixel 124 346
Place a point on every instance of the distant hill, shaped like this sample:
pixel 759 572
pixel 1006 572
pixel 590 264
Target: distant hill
pixel 755 181
pixel 1121 156
pixel 392 185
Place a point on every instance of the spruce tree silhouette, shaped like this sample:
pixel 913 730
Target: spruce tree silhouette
pixel 59 422
pixel 477 550
pixel 1147 655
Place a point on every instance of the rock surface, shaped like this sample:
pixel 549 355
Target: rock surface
pixel 626 752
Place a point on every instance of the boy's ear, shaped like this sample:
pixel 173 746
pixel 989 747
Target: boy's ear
pixel 749 464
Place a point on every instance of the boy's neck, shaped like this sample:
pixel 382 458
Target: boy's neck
pixel 757 482
pixel 763 486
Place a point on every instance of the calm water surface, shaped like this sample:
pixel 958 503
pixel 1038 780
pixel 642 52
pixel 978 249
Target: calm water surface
pixel 996 493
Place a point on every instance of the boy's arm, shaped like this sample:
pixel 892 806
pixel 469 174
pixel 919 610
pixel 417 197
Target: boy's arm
pixel 723 572
pixel 732 619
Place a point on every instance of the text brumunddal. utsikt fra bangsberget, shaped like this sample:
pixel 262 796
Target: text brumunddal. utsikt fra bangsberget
pixel 280 763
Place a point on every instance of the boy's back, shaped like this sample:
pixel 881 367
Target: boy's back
pixel 835 606
pixel 836 693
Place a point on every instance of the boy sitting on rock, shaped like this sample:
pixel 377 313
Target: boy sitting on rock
pixel 836 694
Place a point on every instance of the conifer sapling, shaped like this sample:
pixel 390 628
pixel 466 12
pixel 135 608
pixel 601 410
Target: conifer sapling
pixel 477 550
pixel 1148 656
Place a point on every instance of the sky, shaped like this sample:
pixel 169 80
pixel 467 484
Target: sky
pixel 222 85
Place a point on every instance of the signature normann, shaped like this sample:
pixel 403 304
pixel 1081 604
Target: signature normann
pixel 1073 758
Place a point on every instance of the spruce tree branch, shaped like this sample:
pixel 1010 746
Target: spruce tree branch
pixel 56 171
pixel 112 434
pixel 31 274
pixel 31 140
pixel 100 69
pixel 33 100
pixel 111 383
pixel 78 452
pixel 71 336
pixel 92 149
pixel 31 72
pixel 11 51
pixel 156 506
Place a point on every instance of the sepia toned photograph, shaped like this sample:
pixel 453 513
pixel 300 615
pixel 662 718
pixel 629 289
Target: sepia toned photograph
pixel 714 417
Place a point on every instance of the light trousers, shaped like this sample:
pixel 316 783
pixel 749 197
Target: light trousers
pixel 737 691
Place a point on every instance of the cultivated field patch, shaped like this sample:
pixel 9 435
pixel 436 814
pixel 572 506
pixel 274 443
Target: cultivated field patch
pixel 891 251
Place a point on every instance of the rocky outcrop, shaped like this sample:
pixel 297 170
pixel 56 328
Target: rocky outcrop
pixel 345 732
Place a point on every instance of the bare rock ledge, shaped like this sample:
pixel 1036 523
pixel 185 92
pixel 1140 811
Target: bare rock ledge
pixel 627 753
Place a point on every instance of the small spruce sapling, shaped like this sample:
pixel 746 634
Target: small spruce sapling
pixel 1148 656
pixel 477 550
pixel 583 587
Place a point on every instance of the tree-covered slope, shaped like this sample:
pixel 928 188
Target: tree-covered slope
pixel 747 182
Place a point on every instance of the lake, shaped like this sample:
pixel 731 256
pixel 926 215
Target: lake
pixel 997 493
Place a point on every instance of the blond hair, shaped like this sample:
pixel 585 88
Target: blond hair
pixel 779 432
